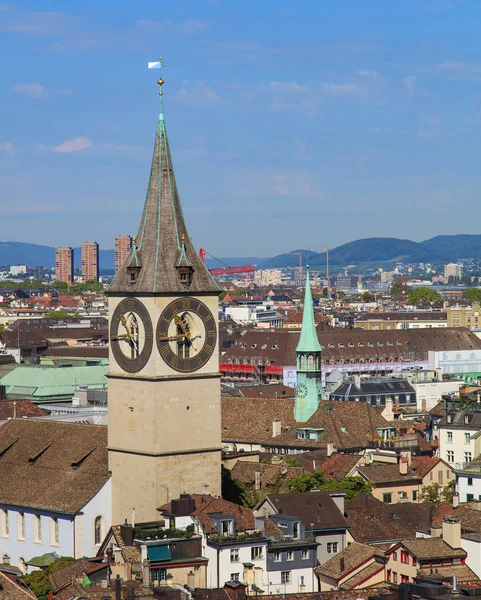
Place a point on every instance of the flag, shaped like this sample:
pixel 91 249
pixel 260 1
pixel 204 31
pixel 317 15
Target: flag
pixel 154 65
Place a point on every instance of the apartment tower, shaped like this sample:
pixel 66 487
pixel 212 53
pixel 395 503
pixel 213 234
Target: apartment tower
pixel 123 244
pixel 64 264
pixel 90 261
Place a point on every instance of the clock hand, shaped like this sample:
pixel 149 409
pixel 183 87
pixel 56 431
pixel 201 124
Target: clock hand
pixel 172 338
pixel 178 321
pixel 123 320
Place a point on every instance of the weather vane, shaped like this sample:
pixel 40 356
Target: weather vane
pixel 159 64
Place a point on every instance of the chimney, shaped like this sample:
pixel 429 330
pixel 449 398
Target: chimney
pixel 191 580
pixel 436 531
pixel 205 489
pixel 452 531
pixel 341 565
pixel 331 449
pixel 133 517
pixel 6 559
pixel 407 455
pixel 276 427
pixel 118 595
pixel 357 381
pixel 455 500
pixel 403 465
pixel 257 484
pixel 388 412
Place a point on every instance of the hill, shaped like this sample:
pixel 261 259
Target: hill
pixel 440 249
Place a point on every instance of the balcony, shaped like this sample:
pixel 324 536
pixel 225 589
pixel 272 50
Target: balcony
pixel 230 540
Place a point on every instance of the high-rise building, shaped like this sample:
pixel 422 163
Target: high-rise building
pixel 64 264
pixel 164 434
pixel 90 261
pixel 123 244
pixel 452 270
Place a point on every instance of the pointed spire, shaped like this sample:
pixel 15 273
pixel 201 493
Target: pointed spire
pixel 308 341
pixel 162 244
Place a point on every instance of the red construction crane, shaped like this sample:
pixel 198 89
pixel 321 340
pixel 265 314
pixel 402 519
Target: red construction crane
pixel 226 270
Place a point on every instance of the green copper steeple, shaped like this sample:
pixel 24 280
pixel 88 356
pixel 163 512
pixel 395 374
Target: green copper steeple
pixel 308 357
pixel 308 341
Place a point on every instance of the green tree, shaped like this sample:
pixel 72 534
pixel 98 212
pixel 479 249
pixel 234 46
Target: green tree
pixel 61 314
pixel 449 491
pixel 352 486
pixel 396 288
pixel 423 295
pixel 435 492
pixel 368 297
pixel 473 295
pixel 38 581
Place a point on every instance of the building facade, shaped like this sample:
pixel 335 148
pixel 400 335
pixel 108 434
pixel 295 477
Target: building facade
pixel 123 244
pixel 90 262
pixel 64 264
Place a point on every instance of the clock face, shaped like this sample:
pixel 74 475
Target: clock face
pixel 131 335
pixel 301 390
pixel 186 335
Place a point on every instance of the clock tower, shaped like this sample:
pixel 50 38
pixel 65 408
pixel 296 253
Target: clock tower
pixel 164 433
pixel 308 358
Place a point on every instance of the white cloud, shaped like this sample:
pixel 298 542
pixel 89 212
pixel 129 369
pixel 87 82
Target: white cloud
pixel 7 147
pixel 34 90
pixel 37 23
pixel 342 89
pixel 298 184
pixel 373 75
pixel 199 95
pixel 409 84
pixel 69 146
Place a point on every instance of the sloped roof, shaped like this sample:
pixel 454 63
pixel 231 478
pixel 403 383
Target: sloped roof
pixel 317 508
pixel 386 473
pixel 162 242
pixel 270 474
pixel 209 505
pixel 337 465
pixel 23 408
pixel 308 341
pixel 354 555
pixel 426 548
pixel 14 590
pixel 421 465
pixel 250 419
pixel 348 425
pixel 51 465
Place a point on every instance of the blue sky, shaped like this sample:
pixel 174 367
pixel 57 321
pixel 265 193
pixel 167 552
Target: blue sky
pixel 292 124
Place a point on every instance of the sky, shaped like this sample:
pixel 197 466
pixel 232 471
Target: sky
pixel 292 124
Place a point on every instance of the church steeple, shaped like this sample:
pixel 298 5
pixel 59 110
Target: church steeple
pixel 163 259
pixel 308 356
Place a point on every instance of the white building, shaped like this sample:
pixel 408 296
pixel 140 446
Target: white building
pixel 18 270
pixel 457 434
pixel 242 548
pixel 456 361
pixel 430 387
pixel 54 489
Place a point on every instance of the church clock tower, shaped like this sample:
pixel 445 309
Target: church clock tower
pixel 164 433
pixel 308 357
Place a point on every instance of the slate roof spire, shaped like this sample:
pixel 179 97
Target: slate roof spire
pixel 308 341
pixel 162 244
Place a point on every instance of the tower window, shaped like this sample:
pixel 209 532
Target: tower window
pixel 185 275
pixel 133 274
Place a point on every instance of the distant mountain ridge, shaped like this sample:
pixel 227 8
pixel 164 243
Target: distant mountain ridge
pixel 440 249
pixel 35 255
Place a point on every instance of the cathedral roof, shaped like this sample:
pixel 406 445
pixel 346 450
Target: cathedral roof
pixel 308 341
pixel 162 245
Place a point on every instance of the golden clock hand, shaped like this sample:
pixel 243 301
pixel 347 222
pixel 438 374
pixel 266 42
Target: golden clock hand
pixel 171 338
pixel 123 320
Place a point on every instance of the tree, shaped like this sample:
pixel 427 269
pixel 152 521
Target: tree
pixel 423 295
pixel 435 492
pixel 473 295
pixel 38 581
pixel 352 486
pixel 396 288
pixel 368 297
pixel 61 314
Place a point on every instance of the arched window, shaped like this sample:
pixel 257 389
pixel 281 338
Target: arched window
pixel 302 361
pixel 310 362
pixel 99 529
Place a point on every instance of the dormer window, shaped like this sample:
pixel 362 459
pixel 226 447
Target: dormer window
pixel 185 273
pixel 133 274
